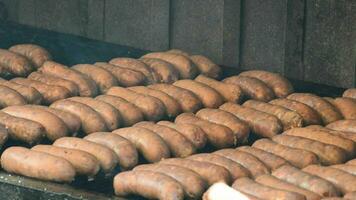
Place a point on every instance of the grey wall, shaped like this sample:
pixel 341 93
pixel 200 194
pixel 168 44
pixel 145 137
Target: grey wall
pixel 312 40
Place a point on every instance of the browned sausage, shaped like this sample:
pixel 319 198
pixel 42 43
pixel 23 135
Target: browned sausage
pixel 102 77
pixel 36 54
pixel 272 161
pixel 193 184
pixel 327 154
pixel 187 99
pixel 309 115
pixel 344 181
pixel 219 136
pixel 166 71
pixel 125 77
pixel 87 86
pixel 150 145
pixel 351 93
pixel 348 135
pixel 55 127
pixel 229 92
pixel 151 185
pixel 261 123
pixel 251 187
pixel 39 165
pixel 14 63
pixel 10 97
pixel 106 157
pixel 31 95
pixel 206 66
pixel 347 125
pixel 211 173
pixel 236 170
pixel 21 129
pixel 346 168
pixel 50 93
pixel 280 85
pixel 208 96
pixel 307 181
pixel 130 113
pixel 290 119
pixel 193 133
pixel 172 106
pixel 91 120
pixel 84 163
pixel 346 106
pixel 124 149
pixel 240 129
pixel 297 157
pixel 54 80
pixel 327 112
pixel 252 87
pixel 178 144
pixel 152 108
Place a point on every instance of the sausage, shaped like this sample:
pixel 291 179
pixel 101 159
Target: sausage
pixel 272 161
pixel 327 112
pixel 250 162
pixel 125 77
pixel 50 93
pixel 351 162
pixel 106 157
pixel 10 97
pixel 238 127
pixel 54 80
pixel 347 125
pixel 126 151
pixel 276 183
pixel 167 73
pixel 14 63
pixel 4 135
pixel 193 133
pixel 108 112
pixel 178 144
pixel 150 145
pixel 327 154
pixel 290 119
pixel 84 163
pixel 346 168
pixel 179 52
pixel 91 121
pixel 39 165
pixel 186 68
pixel 102 77
pixel 136 65
pixel 172 106
pixel 152 108
pixel 348 135
pixel 87 86
pixel 130 113
pixel 21 129
pixel 344 181
pixel 187 99
pixel 151 185
pixel 208 96
pixel 35 53
pixel 236 170
pixel 351 93
pixel 350 195
pixel 252 87
pixel 251 187
pixel 280 85
pixel 206 66
pixel 54 126
pixel 193 184
pixel 297 157
pixel 261 123
pixel 346 106
pixel 31 95
pixel 309 115
pixel 230 92
pixel 325 137
pixel 307 181
pixel 211 173
pixel 219 136
pixel 215 193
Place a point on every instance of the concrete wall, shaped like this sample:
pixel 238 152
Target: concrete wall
pixel 312 40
